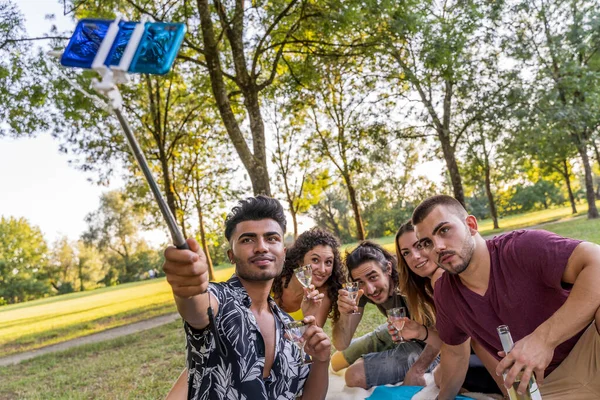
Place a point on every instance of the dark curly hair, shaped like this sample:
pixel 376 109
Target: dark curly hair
pixel 254 209
pixel 369 251
pixel 295 257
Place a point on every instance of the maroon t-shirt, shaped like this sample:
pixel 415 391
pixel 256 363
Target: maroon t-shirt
pixel 524 290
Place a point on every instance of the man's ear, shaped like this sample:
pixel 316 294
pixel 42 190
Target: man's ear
pixel 471 222
pixel 389 268
pixel 230 256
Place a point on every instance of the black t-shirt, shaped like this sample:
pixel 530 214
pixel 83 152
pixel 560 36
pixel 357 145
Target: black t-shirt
pixel 395 300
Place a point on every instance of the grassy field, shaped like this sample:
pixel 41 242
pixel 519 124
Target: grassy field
pixel 138 366
pixel 509 223
pixel 39 323
pixel 144 365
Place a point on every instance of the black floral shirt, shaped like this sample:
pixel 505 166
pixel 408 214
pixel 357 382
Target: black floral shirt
pixel 237 373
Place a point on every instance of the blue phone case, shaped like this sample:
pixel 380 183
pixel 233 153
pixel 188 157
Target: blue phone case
pixel 118 47
pixel 155 54
pixel 158 48
pixel 84 43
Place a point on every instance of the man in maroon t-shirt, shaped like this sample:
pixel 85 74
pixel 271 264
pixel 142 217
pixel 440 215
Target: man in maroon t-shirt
pixel 543 286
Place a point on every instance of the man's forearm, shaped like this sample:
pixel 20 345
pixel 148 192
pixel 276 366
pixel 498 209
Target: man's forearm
pixel 577 312
pixel 425 359
pixel 342 332
pixel 453 365
pixel 193 310
pixel 317 382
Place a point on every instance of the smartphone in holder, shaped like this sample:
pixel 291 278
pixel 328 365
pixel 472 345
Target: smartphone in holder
pixel 85 42
pixel 158 48
pixel 118 47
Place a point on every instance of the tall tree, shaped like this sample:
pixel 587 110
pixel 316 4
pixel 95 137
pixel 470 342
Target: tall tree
pixel 23 261
pixel 440 49
pixel 301 177
pixel 561 41
pixel 241 46
pixel 114 228
pixel 23 96
pixel 346 122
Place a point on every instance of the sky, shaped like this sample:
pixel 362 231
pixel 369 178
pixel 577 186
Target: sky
pixel 36 181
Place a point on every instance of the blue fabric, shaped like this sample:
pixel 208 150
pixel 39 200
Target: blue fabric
pixel 399 393
pixel 394 392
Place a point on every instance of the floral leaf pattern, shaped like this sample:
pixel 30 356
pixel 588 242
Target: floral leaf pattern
pixel 237 375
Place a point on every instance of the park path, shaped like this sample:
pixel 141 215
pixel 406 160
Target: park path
pixel 94 338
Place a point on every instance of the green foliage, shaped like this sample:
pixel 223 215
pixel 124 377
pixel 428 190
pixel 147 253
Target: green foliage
pixel 23 261
pixel 113 229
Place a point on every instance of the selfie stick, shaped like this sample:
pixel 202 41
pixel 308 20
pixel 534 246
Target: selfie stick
pixel 107 86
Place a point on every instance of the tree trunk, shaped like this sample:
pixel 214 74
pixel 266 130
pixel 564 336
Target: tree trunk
pixel 295 222
pixel 589 183
pixel 211 270
pixel 329 216
pixel 567 175
pixel 452 166
pixel 80 270
pixel 490 196
pixel 360 228
pixel 182 226
pixel 255 164
pixel 597 152
pixel 447 148
pixel 168 187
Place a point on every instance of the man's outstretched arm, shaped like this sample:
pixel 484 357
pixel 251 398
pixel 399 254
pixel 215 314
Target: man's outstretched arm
pixel 187 273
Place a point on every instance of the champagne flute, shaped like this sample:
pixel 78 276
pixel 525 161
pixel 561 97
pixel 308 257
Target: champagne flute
pixel 396 316
pixel 304 275
pixel 352 289
pixel 293 332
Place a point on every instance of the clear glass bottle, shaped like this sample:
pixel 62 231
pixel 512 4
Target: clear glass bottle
pixel 533 392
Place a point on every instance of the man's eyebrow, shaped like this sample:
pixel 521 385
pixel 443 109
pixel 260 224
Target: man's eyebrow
pixel 247 234
pixel 371 273
pixel 272 233
pixel 437 227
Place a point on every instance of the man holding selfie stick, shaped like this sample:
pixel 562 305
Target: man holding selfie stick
pixel 247 352
pixel 237 345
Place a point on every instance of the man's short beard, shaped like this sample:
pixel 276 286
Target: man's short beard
pixel 466 254
pixel 246 272
pixel 456 270
pixel 256 276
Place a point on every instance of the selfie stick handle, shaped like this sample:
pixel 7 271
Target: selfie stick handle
pixel 108 87
pixel 178 238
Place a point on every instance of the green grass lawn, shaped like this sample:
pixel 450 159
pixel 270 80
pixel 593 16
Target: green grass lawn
pixel 39 323
pixel 139 366
pixel 145 365
pixel 508 223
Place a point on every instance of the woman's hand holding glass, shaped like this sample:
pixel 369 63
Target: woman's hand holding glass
pixel 397 317
pixel 304 275
pixel 413 330
pixel 410 330
pixel 311 301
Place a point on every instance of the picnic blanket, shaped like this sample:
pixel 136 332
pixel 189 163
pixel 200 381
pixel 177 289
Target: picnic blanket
pixel 339 391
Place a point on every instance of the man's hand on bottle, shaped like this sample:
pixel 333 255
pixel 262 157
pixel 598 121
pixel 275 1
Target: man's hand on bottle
pixel 186 270
pixel 317 343
pixel 531 354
